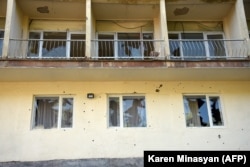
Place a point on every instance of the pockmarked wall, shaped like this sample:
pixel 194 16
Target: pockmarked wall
pixel 90 136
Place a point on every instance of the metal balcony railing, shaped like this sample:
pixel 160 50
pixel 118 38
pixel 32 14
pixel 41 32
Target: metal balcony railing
pixel 46 49
pixel 127 49
pixel 208 49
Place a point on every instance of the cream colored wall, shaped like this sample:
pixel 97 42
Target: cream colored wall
pixel 235 26
pixel 91 138
pixel 52 25
pixel 124 26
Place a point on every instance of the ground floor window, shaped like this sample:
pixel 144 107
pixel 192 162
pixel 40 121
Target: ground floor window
pixel 203 111
pixel 52 112
pixel 127 111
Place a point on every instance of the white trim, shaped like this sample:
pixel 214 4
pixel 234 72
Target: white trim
pixel 121 109
pixel 59 117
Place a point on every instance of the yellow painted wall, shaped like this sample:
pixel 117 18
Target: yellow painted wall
pixel 2 23
pixel 52 25
pixel 91 138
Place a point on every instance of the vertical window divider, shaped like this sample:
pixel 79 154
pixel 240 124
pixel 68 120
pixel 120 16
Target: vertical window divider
pixel 116 56
pixel 59 112
pixel 68 40
pixel 121 111
pixel 206 41
pixel 209 111
pixel 41 40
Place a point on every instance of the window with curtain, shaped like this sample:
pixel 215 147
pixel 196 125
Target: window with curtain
pixel 203 111
pixel 52 112
pixel 127 111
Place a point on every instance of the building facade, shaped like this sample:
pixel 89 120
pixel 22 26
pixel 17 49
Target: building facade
pixel 98 82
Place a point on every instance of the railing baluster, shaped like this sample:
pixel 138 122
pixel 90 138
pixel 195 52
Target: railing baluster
pixel 190 49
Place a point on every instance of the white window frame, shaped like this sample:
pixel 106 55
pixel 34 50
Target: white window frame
pixel 120 96
pixel 205 34
pixel 68 39
pixel 115 43
pixel 59 118
pixel 115 34
pixel 207 96
pixel 68 43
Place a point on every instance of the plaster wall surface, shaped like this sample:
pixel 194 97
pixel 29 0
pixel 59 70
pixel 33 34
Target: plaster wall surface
pixel 90 137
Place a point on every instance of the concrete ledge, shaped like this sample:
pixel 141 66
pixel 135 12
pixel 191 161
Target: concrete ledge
pixel 102 162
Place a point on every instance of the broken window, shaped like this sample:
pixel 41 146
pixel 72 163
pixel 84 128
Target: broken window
pixel 53 112
pixel 125 45
pixel 127 111
pixel 203 111
pixel 56 45
pixel 197 45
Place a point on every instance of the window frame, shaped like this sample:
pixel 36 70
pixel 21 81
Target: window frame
pixel 208 107
pixel 59 117
pixel 205 35
pixel 67 40
pixel 116 40
pixel 121 110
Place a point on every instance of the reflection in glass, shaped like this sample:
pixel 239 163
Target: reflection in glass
pixel 34 42
pixel 216 111
pixel 174 45
pixel 67 112
pixel 129 45
pixel 196 112
pixel 216 45
pixel 46 112
pixel 114 112
pixel 200 112
pixel 134 111
pixel 54 44
pixel 194 45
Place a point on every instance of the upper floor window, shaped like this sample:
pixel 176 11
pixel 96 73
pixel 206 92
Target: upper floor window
pixel 1 41
pixel 52 112
pixel 203 111
pixel 197 45
pixel 127 111
pixel 56 44
pixel 125 45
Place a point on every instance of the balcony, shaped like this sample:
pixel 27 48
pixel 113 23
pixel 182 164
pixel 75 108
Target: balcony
pixel 46 49
pixel 129 50
pixel 208 49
